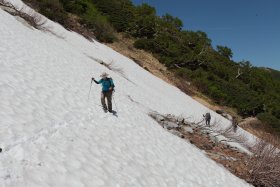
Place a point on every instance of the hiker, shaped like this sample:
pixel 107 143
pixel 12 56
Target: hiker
pixel 107 91
pixel 234 123
pixel 207 118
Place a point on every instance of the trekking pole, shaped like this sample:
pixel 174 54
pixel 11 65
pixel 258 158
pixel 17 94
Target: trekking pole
pixel 89 89
pixel 115 103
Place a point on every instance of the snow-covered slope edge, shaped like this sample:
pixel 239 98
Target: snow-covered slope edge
pixel 53 136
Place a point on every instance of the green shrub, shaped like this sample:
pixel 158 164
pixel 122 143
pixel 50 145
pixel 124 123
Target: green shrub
pixel 143 43
pixel 92 18
pixel 201 84
pixel 119 12
pixel 77 7
pixel 269 119
pixel 53 9
pixel 183 73
pixel 102 29
pixel 216 93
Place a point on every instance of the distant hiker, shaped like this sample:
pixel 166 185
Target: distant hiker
pixel 234 123
pixel 107 91
pixel 207 118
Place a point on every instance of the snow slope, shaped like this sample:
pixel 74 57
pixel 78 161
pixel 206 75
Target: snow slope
pixel 52 135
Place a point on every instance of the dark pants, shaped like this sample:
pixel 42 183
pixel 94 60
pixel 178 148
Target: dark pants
pixel 234 128
pixel 108 96
pixel 208 122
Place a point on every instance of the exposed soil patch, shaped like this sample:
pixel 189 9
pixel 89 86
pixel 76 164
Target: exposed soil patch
pixel 124 45
pixel 231 158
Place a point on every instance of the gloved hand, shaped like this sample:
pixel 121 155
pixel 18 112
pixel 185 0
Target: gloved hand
pixel 92 79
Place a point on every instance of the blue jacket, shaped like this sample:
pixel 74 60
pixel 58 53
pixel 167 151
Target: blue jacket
pixel 106 84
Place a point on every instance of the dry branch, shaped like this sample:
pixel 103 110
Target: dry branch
pixel 228 133
pixel 30 16
pixel 264 164
pixel 238 73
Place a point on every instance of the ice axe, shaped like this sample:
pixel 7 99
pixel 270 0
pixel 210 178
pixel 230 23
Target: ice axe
pixel 90 88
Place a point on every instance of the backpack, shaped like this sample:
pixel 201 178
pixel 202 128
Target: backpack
pixel 207 116
pixel 110 82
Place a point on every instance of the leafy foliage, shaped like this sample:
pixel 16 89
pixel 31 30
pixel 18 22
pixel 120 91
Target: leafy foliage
pixel 224 51
pixel 53 9
pixel 144 24
pixel 91 17
pixel 119 12
pixel 61 11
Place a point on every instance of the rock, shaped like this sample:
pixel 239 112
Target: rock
pixel 171 118
pixel 219 111
pixel 146 68
pixel 229 117
pixel 204 132
pixel 159 118
pixel 224 114
pixel 180 119
pixel 213 156
pixel 170 125
pixel 234 148
pixel 214 140
pixel 207 147
pixel 188 130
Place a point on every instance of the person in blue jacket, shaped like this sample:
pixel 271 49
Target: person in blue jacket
pixel 107 91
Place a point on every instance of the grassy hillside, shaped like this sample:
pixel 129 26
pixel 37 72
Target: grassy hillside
pixel 189 55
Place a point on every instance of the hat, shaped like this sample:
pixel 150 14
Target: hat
pixel 103 75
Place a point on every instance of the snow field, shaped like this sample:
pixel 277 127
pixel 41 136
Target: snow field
pixel 52 135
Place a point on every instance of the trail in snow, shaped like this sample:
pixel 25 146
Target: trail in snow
pixel 53 136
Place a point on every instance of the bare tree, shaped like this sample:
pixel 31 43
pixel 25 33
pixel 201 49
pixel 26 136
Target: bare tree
pixel 238 73
pixel 217 130
pixel 30 16
pixel 5 3
pixel 264 164
pixel 111 66
pixel 229 133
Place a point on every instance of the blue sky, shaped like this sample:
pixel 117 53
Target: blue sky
pixel 251 28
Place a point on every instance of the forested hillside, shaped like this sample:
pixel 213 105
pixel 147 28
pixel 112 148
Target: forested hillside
pixel 253 91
